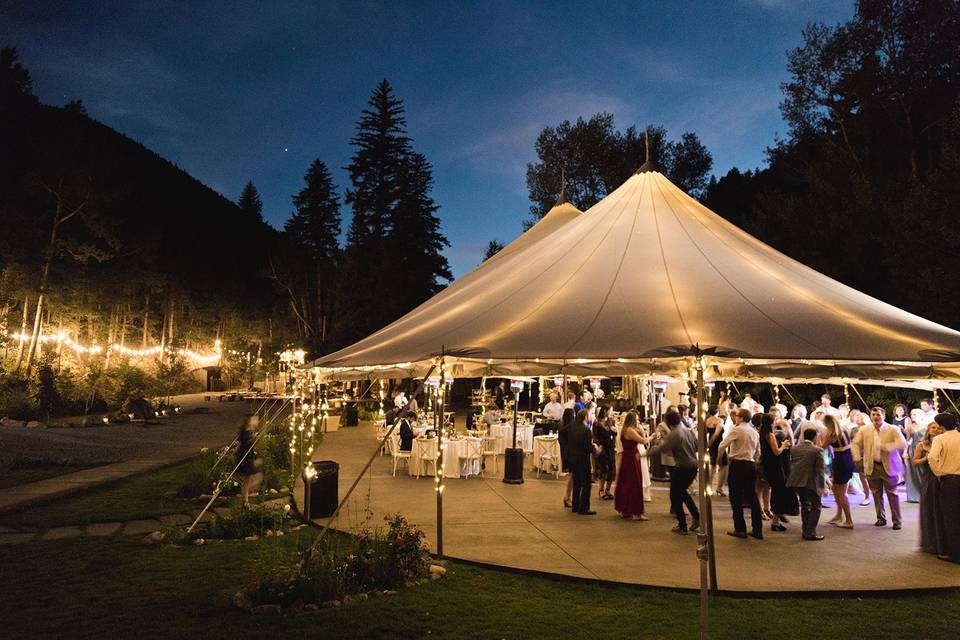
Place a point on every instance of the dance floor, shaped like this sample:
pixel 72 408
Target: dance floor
pixel 526 527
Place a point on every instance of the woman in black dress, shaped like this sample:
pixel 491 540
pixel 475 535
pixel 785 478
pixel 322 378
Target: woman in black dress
pixel 931 530
pixel 604 435
pixel 774 453
pixel 838 439
pixel 562 437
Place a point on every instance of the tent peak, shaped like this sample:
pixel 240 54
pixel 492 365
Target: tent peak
pixel 648 164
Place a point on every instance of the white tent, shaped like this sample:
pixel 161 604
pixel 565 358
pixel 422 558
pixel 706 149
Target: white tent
pixel 643 279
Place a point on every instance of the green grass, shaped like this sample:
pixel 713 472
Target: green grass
pixel 16 474
pixel 149 495
pixel 117 587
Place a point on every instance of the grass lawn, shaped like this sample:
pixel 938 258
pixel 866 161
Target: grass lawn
pixel 140 497
pixel 16 474
pixel 118 587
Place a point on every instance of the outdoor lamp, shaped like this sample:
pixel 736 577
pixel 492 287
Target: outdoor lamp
pixel 513 456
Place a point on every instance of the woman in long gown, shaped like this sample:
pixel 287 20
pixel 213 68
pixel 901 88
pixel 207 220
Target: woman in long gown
pixel 604 433
pixel 562 436
pixel 913 431
pixel 628 496
pixel 774 454
pixel 931 533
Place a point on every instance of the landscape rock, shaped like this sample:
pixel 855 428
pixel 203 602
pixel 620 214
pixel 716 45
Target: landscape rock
pixel 241 601
pixel 33 424
pixel 332 604
pixel 436 569
pixel 199 541
pixel 252 538
pixel 155 537
pixel 347 600
pixel 310 608
pixel 10 422
pixel 267 610
pixel 362 597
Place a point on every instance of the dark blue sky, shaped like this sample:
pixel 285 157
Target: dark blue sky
pixel 237 91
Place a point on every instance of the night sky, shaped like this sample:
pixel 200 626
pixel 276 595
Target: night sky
pixel 239 91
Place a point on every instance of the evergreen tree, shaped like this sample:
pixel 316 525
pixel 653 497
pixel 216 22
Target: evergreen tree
pixel 392 258
pixel 314 229
pixel 250 203
pixel 493 248
pixel 415 241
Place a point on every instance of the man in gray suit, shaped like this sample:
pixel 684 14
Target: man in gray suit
pixel 807 478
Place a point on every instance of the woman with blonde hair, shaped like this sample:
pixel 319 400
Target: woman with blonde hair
pixel 930 524
pixel 838 439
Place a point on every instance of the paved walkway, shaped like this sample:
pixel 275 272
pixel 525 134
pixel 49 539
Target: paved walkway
pixel 143 448
pixel 525 526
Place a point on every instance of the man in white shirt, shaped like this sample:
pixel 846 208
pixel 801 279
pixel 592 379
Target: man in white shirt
pixel 878 450
pixel 400 400
pixel 827 408
pixel 944 461
pixel 553 410
pixel 929 415
pixel 571 400
pixel 742 445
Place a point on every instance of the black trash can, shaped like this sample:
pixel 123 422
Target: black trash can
pixel 321 492
pixel 351 415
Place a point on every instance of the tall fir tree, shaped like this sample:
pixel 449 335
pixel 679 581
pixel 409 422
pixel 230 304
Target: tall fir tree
pixel 392 259
pixel 314 229
pixel 250 202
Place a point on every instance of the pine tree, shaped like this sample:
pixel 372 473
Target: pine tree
pixel 250 202
pixel 493 248
pixel 392 258
pixel 416 241
pixel 314 228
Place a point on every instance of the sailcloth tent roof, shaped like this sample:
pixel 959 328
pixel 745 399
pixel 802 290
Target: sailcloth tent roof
pixel 643 276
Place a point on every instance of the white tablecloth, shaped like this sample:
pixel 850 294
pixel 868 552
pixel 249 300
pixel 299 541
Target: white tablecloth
pixel 546 445
pixel 505 433
pixel 454 451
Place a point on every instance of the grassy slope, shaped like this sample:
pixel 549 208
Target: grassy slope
pixel 140 497
pixel 14 476
pixel 121 588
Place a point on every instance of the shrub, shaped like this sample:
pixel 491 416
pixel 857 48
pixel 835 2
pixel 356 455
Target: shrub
pixel 15 399
pixel 247 520
pixel 343 565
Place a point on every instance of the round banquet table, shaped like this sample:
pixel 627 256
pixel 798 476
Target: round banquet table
pixel 456 449
pixel 504 431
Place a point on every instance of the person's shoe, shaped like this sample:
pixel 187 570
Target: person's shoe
pixel 783 520
pixel 845 525
pixel 695 526
pixel 865 503
pixel 641 517
pixel 587 513
pixel 813 537
pixel 721 494
pixel 944 557
pixel 777 527
pixel 897 526
pixel 881 522
pixel 676 529
pixel 567 503
pixel 756 534
pixel 738 534
pixel 835 520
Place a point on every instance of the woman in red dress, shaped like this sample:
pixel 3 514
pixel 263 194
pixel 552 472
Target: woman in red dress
pixel 628 496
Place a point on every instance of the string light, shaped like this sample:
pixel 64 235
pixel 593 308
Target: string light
pixel 936 402
pixel 63 340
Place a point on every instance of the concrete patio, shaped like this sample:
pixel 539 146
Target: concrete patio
pixel 526 527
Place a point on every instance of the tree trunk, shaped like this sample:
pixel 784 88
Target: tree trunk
pixel 146 319
pixel 23 331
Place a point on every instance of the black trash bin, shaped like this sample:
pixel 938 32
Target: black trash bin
pixel 351 415
pixel 321 492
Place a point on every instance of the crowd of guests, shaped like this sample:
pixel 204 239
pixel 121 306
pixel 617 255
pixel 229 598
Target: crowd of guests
pixel 778 464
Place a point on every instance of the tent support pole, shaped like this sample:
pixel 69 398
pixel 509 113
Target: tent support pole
pixel 704 545
pixel 438 408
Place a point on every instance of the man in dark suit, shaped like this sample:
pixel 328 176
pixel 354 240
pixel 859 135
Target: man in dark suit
pixel 580 448
pixel 807 479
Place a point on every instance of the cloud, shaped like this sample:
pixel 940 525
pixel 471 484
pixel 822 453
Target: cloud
pixel 119 79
